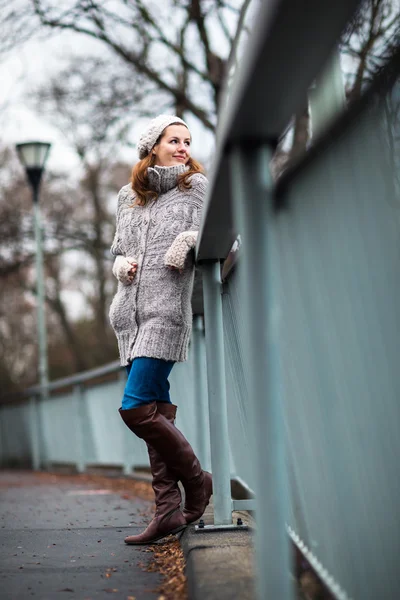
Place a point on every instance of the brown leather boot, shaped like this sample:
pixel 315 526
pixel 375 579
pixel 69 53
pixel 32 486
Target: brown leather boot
pixel 190 512
pixel 160 526
pixel 165 482
pixel 168 517
pixel 149 424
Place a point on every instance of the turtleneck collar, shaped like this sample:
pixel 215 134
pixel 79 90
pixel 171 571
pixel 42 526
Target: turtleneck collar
pixel 162 179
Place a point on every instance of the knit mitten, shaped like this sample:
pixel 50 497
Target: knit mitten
pixel 180 248
pixel 121 268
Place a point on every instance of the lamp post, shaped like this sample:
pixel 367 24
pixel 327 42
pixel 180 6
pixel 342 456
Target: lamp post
pixel 33 157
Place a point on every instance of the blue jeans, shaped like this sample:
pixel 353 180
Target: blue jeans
pixel 147 382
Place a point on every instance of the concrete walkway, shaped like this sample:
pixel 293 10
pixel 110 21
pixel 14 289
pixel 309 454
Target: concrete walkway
pixel 62 537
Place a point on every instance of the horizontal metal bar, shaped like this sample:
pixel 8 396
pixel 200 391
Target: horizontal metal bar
pixel 249 504
pixel 112 367
pixel 213 528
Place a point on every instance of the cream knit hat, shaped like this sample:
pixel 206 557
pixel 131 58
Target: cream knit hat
pixel 153 131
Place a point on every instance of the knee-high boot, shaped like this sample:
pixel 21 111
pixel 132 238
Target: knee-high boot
pixel 165 481
pixel 190 511
pixel 150 425
pixel 168 517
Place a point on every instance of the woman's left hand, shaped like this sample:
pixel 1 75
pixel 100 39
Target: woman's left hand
pixel 177 253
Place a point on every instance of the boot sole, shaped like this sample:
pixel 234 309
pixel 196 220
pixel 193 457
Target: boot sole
pixel 160 537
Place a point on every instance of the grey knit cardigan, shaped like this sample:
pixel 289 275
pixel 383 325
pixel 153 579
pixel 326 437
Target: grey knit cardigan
pixel 152 316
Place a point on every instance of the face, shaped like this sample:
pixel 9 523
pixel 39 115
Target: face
pixel 174 147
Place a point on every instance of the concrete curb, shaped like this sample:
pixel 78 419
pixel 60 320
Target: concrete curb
pixel 219 564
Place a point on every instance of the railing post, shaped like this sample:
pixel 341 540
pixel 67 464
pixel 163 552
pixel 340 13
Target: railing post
pixel 34 429
pixel 81 429
pixel 2 440
pixel 252 200
pixel 219 440
pixel 199 388
pixel 127 464
pixel 44 445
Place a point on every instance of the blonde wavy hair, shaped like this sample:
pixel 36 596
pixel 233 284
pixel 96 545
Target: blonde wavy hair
pixel 140 182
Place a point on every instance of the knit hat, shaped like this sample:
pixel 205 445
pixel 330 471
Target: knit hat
pixel 153 131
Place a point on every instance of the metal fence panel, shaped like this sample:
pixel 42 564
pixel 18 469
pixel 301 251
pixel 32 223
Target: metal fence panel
pixel 60 428
pixel 113 442
pixel 15 438
pixel 339 247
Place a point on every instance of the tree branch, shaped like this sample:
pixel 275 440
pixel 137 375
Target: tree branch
pixel 235 43
pixel 134 60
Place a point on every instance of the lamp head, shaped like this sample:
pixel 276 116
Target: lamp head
pixel 33 156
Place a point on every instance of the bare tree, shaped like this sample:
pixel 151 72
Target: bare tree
pixel 370 40
pixel 89 104
pixel 70 229
pixel 179 48
pixel 18 351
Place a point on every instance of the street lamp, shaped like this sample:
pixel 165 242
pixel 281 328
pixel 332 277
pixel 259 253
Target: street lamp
pixel 33 157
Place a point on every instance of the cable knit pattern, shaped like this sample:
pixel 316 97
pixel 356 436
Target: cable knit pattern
pixel 152 315
pixel 177 254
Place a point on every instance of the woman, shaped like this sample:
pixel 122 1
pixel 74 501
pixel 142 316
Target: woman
pixel 158 216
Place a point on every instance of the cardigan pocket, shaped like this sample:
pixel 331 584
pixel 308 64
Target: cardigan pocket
pixel 121 310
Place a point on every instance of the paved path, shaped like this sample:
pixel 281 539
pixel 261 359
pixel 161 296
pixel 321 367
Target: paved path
pixel 62 538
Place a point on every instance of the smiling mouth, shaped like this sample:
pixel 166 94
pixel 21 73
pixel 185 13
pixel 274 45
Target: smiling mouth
pixel 180 157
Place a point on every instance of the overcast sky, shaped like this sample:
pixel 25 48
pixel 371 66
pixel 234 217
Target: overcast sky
pixel 20 70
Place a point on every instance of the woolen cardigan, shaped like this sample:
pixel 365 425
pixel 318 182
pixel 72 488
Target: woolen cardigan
pixel 152 315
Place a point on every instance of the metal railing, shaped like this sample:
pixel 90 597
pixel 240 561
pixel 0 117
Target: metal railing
pixel 301 338
pixel 79 424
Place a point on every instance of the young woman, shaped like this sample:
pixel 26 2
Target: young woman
pixel 158 217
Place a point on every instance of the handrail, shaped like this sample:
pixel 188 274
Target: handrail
pixel 72 380
pixel 270 87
